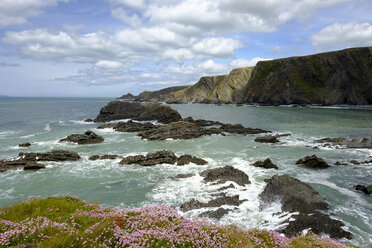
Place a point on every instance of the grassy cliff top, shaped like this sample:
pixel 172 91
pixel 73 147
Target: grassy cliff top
pixel 70 222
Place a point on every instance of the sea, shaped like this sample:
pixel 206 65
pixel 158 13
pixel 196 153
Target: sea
pixel 44 121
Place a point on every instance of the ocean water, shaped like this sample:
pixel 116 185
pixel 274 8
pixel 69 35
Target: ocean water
pixel 43 121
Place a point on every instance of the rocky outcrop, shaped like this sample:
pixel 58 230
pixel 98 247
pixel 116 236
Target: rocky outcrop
pixel 127 96
pixel 239 129
pixel 129 126
pixel 362 142
pixel 159 95
pixel 106 156
pixel 224 174
pixel 300 198
pixel 267 164
pixel 88 137
pixel 18 164
pixel 202 123
pixel 215 214
pixel 55 155
pixel 27 144
pixel 162 157
pixel 218 202
pixel 365 189
pixel 267 139
pixel 117 110
pixel 313 162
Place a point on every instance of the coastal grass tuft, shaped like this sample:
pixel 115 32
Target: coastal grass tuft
pixel 71 222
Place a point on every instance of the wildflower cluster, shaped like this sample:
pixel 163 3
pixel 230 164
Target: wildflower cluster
pixel 70 222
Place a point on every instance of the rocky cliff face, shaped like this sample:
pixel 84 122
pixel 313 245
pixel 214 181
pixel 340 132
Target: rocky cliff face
pixel 340 77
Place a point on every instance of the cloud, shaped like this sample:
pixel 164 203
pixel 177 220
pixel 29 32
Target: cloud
pixel 4 64
pixel 351 34
pixel 16 12
pixel 246 62
pixel 218 47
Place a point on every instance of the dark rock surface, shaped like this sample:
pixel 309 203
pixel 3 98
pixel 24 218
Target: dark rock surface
pixel 267 164
pixel 106 156
pixel 203 123
pixel 267 139
pixel 186 159
pixel 313 162
pixel 117 110
pixel 301 198
pixel 365 189
pixel 181 176
pixel 127 96
pixel 88 137
pixel 27 144
pixel 129 126
pixel 239 129
pixel 218 202
pixel 19 163
pixel 55 155
pixel 362 142
pixel 224 174
pixel 230 186
pixel 215 214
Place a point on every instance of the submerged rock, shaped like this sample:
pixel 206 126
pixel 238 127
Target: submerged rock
pixel 27 144
pixel 55 155
pixel 203 123
pixel 224 174
pixel 239 129
pixel 215 214
pixel 88 137
pixel 362 142
pixel 129 126
pixel 218 202
pixel 267 139
pixel 186 159
pixel 365 189
pixel 313 162
pixel 118 110
pixel 20 163
pixel 267 164
pixel 106 156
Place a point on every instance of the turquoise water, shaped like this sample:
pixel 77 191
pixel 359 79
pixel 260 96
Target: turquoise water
pixel 43 121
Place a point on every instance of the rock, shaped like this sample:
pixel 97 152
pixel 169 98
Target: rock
pixel 330 140
pixel 339 163
pixel 88 137
pixel 224 174
pixel 117 110
pixel 313 162
pixel 181 176
pixel 129 126
pixel 267 139
pixel 160 157
pixel 230 186
pixel 106 156
pixel 19 163
pixel 267 164
pixel 293 204
pixel 285 187
pixel 239 129
pixel 89 120
pixel 25 144
pixel 218 202
pixel 186 159
pixel 354 162
pixel 202 123
pixel 177 130
pixel 215 214
pixel 362 142
pixel 55 155
pixel 128 96
pixel 319 224
pixel 367 190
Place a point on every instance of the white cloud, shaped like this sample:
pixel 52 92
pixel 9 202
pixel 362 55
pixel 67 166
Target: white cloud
pixel 106 64
pixel 218 47
pixel 246 62
pixel 133 4
pixel 16 12
pixel 132 20
pixel 349 34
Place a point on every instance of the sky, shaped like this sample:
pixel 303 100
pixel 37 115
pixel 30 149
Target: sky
pixel 106 48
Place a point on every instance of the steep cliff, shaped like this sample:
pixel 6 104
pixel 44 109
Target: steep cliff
pixel 340 77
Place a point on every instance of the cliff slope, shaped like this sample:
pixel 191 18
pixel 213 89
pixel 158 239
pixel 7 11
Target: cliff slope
pixel 340 77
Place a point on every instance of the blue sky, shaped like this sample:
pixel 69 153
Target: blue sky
pixel 111 47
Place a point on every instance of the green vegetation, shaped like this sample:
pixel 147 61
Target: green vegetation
pixel 70 222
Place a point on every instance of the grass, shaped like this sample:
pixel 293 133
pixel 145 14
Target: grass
pixel 70 222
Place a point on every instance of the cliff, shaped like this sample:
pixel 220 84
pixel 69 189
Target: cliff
pixel 340 77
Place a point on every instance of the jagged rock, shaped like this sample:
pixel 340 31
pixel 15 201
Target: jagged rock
pixel 89 120
pixel 129 126
pixel 313 162
pixel 218 202
pixel 267 139
pixel 19 163
pixel 215 214
pixel 224 174
pixel 186 159
pixel 202 123
pixel 230 186
pixel 239 129
pixel 365 189
pixel 88 137
pixel 160 157
pixel 319 224
pixel 363 142
pixel 117 110
pixel 177 130
pixel 55 155
pixel 25 144
pixel 285 187
pixel 106 156
pixel 267 164
pixel 330 140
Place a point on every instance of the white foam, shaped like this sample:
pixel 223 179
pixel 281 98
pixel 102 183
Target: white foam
pixel 47 127
pixel 6 193
pixel 81 122
pixel 4 134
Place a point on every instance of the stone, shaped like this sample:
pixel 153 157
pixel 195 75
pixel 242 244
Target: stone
pixel 218 202
pixel 106 156
pixel 55 155
pixel 159 157
pixel 186 159
pixel 267 164
pixel 267 139
pixel 224 174
pixel 365 189
pixel 20 163
pixel 88 137
pixel 215 214
pixel 129 126
pixel 313 162
pixel 230 186
pixel 27 144
pixel 239 129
